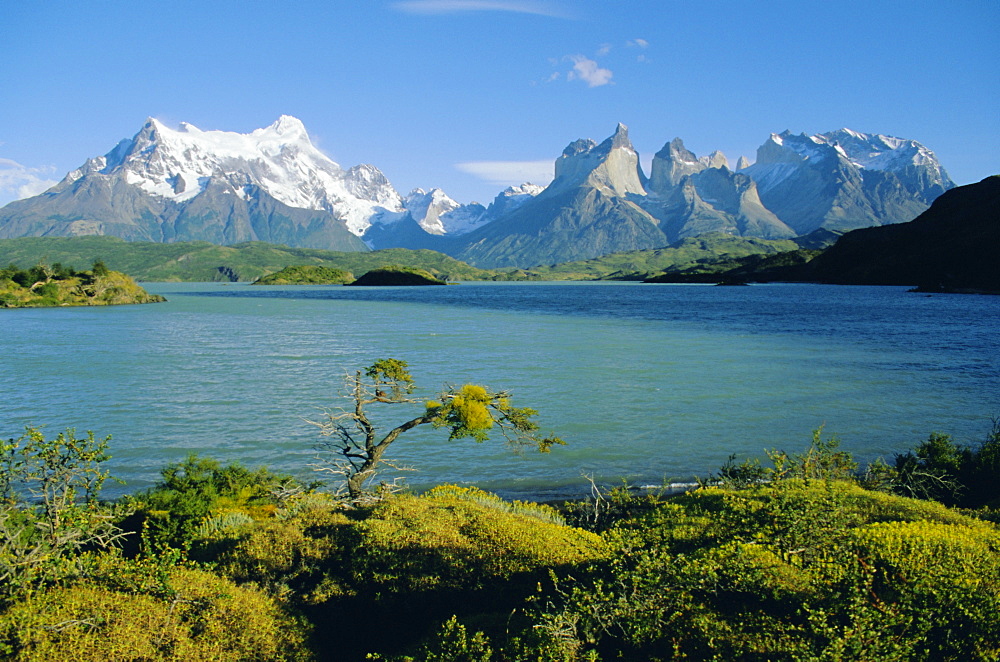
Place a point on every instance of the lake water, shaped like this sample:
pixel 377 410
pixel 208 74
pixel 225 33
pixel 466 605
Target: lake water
pixel 651 383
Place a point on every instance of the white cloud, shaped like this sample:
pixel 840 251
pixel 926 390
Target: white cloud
pixel 603 50
pixel 19 181
pixel 510 173
pixel 587 70
pixel 637 43
pixel 453 6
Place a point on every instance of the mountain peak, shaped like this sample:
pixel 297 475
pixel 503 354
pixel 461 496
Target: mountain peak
pixel 620 138
pixel 671 164
pixel 613 164
pixel 177 164
pixel 289 126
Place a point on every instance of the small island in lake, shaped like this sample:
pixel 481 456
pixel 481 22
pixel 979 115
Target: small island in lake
pixel 56 285
pixel 307 274
pixel 396 275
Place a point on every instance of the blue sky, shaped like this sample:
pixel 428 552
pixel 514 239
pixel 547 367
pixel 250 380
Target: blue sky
pixel 469 95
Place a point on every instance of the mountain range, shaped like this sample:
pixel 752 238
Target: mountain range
pixel 273 185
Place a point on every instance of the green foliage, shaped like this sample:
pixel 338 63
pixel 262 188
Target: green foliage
pixel 201 617
pixel 690 253
pixel 606 508
pixel 452 643
pixel 756 268
pixel 391 373
pixel 198 497
pixel 43 286
pixel 821 461
pixel 406 563
pixel 793 569
pixel 49 509
pixel 952 473
pixel 298 557
pixel 539 511
pixel 306 274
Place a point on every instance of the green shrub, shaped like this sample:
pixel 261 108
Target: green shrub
pixel 198 495
pixel 792 570
pixel 459 538
pixel 203 617
pixel 49 508
pixel 952 473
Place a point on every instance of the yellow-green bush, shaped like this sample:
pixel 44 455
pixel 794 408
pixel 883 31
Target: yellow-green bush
pixel 797 569
pixel 461 537
pixel 200 617
pixel 295 558
pixel 406 564
pixel 451 537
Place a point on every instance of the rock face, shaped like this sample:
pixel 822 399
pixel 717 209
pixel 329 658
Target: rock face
pixel 691 196
pixel 589 209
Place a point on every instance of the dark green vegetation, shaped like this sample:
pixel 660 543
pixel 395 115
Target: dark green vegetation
pixel 268 263
pixel 952 473
pixel 803 558
pixel 307 274
pixel 637 265
pixel 57 285
pixel 950 247
pixel 757 268
pixel 397 275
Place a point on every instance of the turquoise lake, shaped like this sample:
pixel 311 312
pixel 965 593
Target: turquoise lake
pixel 651 383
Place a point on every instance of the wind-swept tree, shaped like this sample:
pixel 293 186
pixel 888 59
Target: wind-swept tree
pixel 468 411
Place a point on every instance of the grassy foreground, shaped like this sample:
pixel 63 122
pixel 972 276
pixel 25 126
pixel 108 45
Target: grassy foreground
pixel 803 560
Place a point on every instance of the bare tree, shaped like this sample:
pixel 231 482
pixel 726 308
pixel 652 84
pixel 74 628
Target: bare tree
pixel 472 411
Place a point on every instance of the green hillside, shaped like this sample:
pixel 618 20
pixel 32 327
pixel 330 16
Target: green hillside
pixel 200 261
pixel 637 265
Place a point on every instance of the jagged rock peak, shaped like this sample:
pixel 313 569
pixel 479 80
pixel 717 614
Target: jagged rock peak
pixel 581 146
pixel 613 164
pixel 619 139
pixel 715 160
pixel 675 151
pixel 742 162
pixel 671 164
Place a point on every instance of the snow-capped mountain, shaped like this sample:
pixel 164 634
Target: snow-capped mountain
pixel 272 184
pixel 182 184
pixel 600 201
pixel 589 209
pixel 438 214
pixel 177 164
pixel 844 180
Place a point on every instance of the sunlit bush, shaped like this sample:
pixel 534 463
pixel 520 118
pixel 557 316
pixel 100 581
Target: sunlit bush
pixel 197 617
pixel 796 569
